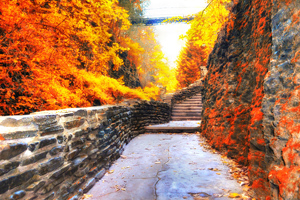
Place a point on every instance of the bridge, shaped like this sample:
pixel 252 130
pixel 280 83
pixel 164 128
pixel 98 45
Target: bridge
pixel 159 20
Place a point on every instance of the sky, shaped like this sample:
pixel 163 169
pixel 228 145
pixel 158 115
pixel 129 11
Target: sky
pixel 168 34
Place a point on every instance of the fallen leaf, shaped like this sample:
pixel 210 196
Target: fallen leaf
pixel 124 189
pixel 234 195
pixel 157 162
pixel 122 156
pixel 111 171
pixel 218 173
pixel 85 196
pixel 116 187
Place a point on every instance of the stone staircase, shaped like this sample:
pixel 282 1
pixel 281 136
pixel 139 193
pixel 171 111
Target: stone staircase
pixel 186 117
pixel 190 109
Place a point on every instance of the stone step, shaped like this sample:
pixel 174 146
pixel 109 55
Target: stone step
pixel 190 102
pixel 195 98
pixel 177 114
pixel 192 111
pixel 188 106
pixel 182 118
pixel 175 127
pixel 187 109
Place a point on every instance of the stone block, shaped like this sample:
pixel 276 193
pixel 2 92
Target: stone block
pixel 52 130
pixel 81 113
pixel 74 123
pixel 16 180
pixel 80 162
pixel 7 166
pixel 35 186
pixel 9 151
pixel 55 150
pixel 60 171
pixel 89 185
pixel 46 142
pixel 34 158
pixel 100 174
pixel 16 121
pixel 51 165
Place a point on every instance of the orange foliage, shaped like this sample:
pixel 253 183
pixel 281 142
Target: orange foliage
pixel 201 39
pixel 188 65
pixel 55 54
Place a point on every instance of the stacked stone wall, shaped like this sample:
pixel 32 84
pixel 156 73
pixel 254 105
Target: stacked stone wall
pixel 62 154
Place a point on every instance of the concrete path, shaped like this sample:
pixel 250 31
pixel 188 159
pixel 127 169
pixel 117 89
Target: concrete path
pixel 164 167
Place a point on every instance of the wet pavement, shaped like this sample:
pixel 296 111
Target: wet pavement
pixel 166 166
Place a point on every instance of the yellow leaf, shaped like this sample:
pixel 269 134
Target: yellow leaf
pixel 111 171
pixel 234 195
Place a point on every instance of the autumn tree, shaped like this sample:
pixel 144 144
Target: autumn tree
pixel 200 39
pixel 56 54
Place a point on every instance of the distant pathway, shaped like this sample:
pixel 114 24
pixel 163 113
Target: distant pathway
pixel 163 167
pixel 186 117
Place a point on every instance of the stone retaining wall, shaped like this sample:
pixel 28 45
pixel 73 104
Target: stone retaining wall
pixel 251 94
pixel 61 154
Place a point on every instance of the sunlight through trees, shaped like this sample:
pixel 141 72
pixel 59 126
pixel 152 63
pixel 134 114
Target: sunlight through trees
pixel 58 54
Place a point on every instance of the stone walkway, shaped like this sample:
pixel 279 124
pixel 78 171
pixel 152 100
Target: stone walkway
pixel 175 127
pixel 163 167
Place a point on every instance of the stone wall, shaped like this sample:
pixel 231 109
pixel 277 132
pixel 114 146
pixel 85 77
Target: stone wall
pixel 281 103
pixel 251 94
pixel 61 154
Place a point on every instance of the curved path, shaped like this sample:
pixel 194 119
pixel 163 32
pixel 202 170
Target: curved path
pixel 163 167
